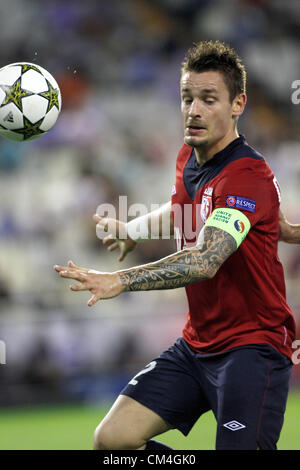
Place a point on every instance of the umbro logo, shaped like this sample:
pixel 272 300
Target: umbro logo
pixel 9 117
pixel 234 425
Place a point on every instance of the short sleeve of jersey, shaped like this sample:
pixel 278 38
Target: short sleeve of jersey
pixel 248 185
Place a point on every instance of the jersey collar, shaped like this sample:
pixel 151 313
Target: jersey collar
pixel 224 153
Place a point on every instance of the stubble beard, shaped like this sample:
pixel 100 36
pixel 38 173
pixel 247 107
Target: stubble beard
pixel 196 142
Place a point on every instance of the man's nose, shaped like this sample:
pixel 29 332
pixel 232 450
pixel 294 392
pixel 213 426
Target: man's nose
pixel 195 108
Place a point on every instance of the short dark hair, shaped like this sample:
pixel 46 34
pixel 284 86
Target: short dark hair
pixel 216 55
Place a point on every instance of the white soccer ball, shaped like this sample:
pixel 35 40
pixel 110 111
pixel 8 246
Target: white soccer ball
pixel 30 101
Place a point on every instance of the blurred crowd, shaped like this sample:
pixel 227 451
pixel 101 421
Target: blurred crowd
pixel 118 67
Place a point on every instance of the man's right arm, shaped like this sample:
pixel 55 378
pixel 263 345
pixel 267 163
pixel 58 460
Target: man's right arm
pixel 126 236
pixel 155 224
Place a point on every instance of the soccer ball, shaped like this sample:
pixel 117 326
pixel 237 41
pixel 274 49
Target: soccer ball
pixel 30 101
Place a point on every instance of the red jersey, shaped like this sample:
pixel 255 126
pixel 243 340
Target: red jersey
pixel 245 302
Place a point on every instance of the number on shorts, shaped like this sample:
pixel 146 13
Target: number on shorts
pixel 148 367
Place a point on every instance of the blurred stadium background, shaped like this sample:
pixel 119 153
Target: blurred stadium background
pixel 118 66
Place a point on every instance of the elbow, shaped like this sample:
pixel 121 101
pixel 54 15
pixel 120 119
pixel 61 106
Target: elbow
pixel 204 274
pixel 212 268
pixel 211 272
pixel 204 267
pixel 286 232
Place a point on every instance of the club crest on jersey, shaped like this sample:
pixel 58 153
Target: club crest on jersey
pixel 241 203
pixel 206 204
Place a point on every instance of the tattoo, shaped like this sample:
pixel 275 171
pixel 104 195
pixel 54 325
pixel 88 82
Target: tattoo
pixel 184 267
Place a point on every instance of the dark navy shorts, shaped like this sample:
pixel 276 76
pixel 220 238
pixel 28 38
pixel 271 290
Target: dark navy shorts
pixel 245 387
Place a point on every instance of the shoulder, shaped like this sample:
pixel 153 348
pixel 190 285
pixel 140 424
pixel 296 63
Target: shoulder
pixel 248 164
pixel 249 152
pixel 247 174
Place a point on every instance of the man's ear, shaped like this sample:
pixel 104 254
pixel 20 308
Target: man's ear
pixel 238 104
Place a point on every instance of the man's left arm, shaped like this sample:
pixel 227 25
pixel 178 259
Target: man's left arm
pixel 184 267
pixel 219 238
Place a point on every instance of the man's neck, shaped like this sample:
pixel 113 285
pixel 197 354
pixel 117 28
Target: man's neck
pixel 204 154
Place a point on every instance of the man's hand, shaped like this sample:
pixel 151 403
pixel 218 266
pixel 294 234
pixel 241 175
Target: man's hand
pixel 101 285
pixel 117 235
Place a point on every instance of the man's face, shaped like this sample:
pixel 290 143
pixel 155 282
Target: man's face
pixel 206 108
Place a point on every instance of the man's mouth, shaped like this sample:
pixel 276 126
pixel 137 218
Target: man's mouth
pixel 195 129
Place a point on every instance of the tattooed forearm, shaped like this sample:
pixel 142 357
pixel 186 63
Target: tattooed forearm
pixel 184 267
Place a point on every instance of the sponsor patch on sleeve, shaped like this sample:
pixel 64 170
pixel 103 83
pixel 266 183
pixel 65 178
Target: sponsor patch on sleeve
pixel 239 202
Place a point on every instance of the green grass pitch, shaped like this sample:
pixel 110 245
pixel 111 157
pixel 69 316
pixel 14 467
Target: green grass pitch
pixel 72 427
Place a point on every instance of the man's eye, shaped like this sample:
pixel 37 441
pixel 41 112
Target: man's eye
pixel 209 101
pixel 187 100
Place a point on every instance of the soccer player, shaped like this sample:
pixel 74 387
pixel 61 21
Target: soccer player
pixel 234 355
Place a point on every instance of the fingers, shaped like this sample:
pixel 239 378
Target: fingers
pixel 111 243
pixel 71 274
pixel 78 287
pixel 93 300
pixel 108 239
pixel 79 274
pixel 72 265
pixel 113 247
pixel 122 255
pixel 97 218
pixel 107 224
pixel 58 268
pixel 102 222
